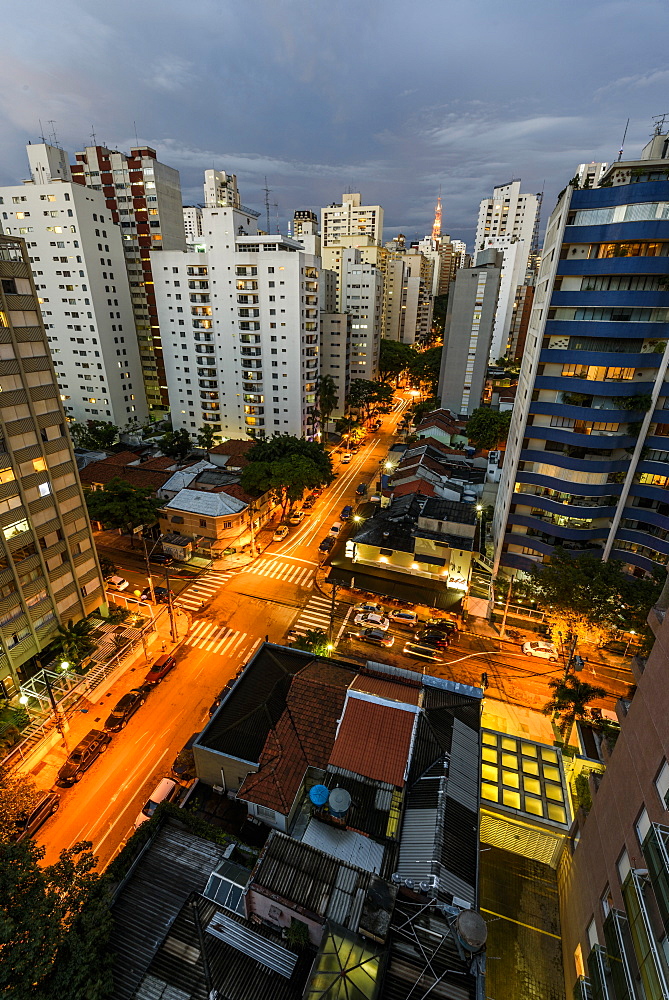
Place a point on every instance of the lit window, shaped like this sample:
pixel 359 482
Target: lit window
pixel 7 475
pixel 44 489
pixel 15 529
pixel 39 464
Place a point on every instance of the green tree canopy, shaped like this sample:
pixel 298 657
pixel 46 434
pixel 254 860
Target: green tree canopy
pixel 487 428
pixel 286 465
pixel 94 435
pixel 18 796
pixel 366 395
pixel 327 400
pixel 176 444
pixel 421 410
pixel 206 438
pixel 120 505
pixel 425 367
pixel 314 641
pixel 570 699
pixel 73 642
pixel 394 358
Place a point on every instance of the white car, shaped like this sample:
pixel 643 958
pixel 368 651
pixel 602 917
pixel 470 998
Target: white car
pixel 545 650
pixel 407 618
pixel 165 791
pixel 372 621
pixel 280 533
pixel 345 459
pixel 117 583
pixel 370 609
pixel 296 517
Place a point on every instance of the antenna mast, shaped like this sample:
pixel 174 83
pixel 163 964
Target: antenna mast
pixel 622 144
pixel 266 190
pixel 436 225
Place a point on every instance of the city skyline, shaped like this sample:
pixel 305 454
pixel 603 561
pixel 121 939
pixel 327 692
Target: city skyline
pixel 448 98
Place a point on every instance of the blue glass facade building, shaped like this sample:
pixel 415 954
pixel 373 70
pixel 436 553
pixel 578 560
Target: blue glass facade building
pixel 587 462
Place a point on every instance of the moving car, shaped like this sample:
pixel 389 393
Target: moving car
pixel 372 609
pixel 361 489
pixel 83 755
pixel 345 459
pixel 346 512
pixel 336 528
pixel 406 619
pixel 444 624
pixel 425 652
pixel 326 544
pixel 160 593
pixel 27 825
pixel 296 517
pixel 280 533
pixel 161 559
pixel 439 640
pixel 160 669
pixel 125 709
pixel 545 650
pixel 117 583
pixel 165 791
pixel 376 636
pixel 372 621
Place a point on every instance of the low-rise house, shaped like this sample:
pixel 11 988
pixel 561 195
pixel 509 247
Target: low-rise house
pixel 444 427
pixel 139 470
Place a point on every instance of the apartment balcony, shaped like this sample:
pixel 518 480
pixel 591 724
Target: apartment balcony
pixel 210 406
pixel 650 956
pixel 205 349
pixel 205 372
pixel 253 397
pixel 640 537
pixel 248 300
pixel 251 363
pixel 591 387
pixel 251 377
pixel 547 526
pixel 310 365
pixel 606 440
pixel 207 384
pixel 249 338
pixel 245 313
pixel 622 960
pixel 246 271
pixel 558 508
pixel 198 272
pixel 247 286
pixel 254 411
pixel 593 413
pixel 198 285
pixel 209 395
pixel 604 298
pixel 202 324
pixel 254 421
pixel 603 359
pixel 248 325
pixel 251 352
pixel 204 338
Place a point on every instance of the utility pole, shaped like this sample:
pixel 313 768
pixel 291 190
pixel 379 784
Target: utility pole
pixel 170 609
pixel 502 631
pixel 252 529
pixel 56 714
pixel 332 614
pixel 148 569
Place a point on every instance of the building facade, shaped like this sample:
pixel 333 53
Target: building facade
pixel 362 299
pixel 242 322
pixel 78 261
pixel 192 223
pixel 49 570
pixel 350 218
pixel 143 196
pixel 587 459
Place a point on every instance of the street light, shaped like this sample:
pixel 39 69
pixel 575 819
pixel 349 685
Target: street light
pixel 631 633
pixel 64 665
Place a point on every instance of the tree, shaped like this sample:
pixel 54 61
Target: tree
pixel 570 699
pixel 591 598
pixel 425 369
pixel 108 567
pixel 421 410
pixel 55 925
pixel 394 358
pixel 315 641
pixel 206 438
pixel 73 642
pixel 120 505
pixel 327 401
pixel 287 466
pixel 176 444
pixel 18 796
pixel 94 435
pixel 365 395
pixel 488 428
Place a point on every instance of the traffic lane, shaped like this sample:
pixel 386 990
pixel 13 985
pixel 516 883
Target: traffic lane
pixel 102 807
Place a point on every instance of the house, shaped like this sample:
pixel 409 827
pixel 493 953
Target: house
pixel 139 470
pixel 444 427
pixel 433 468
pixel 231 454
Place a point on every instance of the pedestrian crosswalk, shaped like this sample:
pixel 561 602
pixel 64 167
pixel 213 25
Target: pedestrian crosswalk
pixel 288 572
pixel 220 640
pixel 316 616
pixel 202 591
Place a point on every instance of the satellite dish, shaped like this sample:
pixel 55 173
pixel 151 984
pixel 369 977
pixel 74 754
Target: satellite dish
pixel 472 930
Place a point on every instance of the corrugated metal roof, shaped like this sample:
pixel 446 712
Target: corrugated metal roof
pixel 348 846
pixel 205 502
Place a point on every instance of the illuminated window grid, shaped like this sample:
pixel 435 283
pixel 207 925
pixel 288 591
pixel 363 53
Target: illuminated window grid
pixel 524 776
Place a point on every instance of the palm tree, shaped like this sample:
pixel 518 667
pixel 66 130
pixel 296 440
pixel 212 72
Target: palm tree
pixel 570 700
pixel 327 400
pixel 206 438
pixel 73 641
pixel 314 641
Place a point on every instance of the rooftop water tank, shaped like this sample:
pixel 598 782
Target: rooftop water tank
pixel 319 795
pixel 340 802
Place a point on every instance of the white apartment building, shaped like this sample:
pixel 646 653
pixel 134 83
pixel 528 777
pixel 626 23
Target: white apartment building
pixel 350 218
pixel 192 223
pixel 362 299
pixel 241 329
pixel 220 190
pixel 77 258
pixel 590 174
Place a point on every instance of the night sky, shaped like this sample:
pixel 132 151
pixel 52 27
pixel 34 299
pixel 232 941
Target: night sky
pixel 392 99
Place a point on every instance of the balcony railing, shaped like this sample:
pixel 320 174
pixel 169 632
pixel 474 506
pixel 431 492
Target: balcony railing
pixel 656 854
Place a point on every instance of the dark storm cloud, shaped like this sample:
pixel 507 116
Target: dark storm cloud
pixel 390 98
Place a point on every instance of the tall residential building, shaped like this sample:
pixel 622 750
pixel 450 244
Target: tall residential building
pixel 467 334
pixel 507 222
pixel 220 190
pixel 78 261
pixel 362 299
pixel 305 229
pixel 48 567
pixel 590 174
pixel 144 198
pixel 350 218
pixel 587 458
pixel 192 223
pixel 241 322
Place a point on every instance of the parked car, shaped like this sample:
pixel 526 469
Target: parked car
pixel 372 609
pixel 296 517
pixel 326 544
pixel 405 619
pixel 280 533
pixel 160 669
pixel 425 652
pixel 361 489
pixel 161 559
pixel 316 492
pixel 377 424
pixel 165 791
pixel 376 636
pixel 545 650
pixel 345 459
pixel 437 639
pixel 309 502
pixel 83 755
pixel 346 512
pixel 336 528
pixel 372 621
pixel 160 593
pixel 117 583
pixel 445 624
pixel 27 825
pixel 125 709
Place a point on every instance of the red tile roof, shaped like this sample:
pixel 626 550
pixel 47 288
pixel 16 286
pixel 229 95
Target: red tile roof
pixel 303 737
pixel 413 486
pixel 390 690
pixel 102 473
pixel 374 741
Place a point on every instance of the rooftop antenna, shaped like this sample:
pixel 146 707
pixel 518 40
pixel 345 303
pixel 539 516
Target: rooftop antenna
pixel 41 130
pixel 136 136
pixel 54 137
pixel 93 135
pixel 659 123
pixel 622 144
pixel 276 206
pixel 266 190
